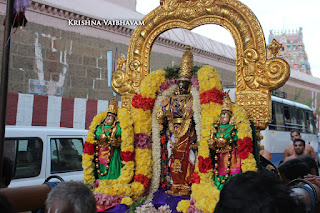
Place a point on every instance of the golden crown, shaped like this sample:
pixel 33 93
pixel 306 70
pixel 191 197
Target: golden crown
pixel 185 72
pixel 227 104
pixel 113 106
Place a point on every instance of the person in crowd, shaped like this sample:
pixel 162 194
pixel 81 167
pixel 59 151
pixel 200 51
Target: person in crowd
pixel 71 197
pixel 253 192
pixel 67 152
pixel 266 154
pixel 310 161
pixel 290 149
pixel 7 172
pixel 316 181
pixel 299 149
pixel 293 169
pixel 298 168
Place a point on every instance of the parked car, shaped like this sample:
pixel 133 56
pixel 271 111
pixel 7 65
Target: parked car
pixel 40 152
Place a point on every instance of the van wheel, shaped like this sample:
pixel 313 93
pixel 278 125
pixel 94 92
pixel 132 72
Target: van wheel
pixel 54 176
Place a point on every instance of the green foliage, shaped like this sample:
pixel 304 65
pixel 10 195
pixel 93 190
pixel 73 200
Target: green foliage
pixel 90 186
pixel 308 103
pixel 134 205
pixel 297 95
pixel 173 72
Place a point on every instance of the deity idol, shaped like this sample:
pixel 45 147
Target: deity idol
pixel 108 141
pixel 176 116
pixel 223 144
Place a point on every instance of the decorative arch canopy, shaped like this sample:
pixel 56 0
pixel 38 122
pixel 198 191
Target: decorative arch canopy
pixel 256 75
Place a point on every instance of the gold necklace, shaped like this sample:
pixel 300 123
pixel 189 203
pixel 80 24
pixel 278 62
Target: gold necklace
pixel 104 143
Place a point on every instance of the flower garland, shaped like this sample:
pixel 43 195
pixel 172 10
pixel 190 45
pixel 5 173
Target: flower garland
pixel 167 88
pixel 136 129
pixel 204 192
pixel 207 95
pixel 142 106
pixel 111 188
pixel 151 209
pixel 156 139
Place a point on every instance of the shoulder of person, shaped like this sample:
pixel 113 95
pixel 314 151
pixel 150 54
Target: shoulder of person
pixel 289 158
pixel 288 148
pixel 308 147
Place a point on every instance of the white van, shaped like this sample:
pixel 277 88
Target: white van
pixel 40 152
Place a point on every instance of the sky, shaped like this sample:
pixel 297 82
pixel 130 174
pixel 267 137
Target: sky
pixel 273 15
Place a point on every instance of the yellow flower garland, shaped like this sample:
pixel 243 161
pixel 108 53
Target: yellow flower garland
pixel 150 84
pixel 142 122
pixel 120 186
pixel 183 206
pixel 206 193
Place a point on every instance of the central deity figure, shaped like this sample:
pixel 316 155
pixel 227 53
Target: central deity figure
pixel 176 117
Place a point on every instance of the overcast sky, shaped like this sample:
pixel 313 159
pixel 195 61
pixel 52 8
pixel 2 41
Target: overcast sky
pixel 273 15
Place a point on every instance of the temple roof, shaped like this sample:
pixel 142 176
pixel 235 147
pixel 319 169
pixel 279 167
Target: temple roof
pixel 302 76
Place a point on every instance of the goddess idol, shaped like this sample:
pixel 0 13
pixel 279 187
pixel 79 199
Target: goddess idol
pixel 223 144
pixel 176 117
pixel 108 141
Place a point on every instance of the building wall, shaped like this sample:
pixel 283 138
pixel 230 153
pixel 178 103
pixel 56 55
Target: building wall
pixel 50 58
pixel 46 60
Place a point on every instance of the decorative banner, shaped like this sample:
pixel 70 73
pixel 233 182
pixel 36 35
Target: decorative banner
pixel 20 7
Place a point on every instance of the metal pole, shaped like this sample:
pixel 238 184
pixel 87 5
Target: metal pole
pixel 4 77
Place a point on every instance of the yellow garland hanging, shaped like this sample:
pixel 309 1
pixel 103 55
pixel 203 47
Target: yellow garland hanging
pixel 206 193
pixel 120 186
pixel 142 121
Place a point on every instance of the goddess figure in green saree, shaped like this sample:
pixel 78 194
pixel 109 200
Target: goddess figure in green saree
pixel 107 154
pixel 223 146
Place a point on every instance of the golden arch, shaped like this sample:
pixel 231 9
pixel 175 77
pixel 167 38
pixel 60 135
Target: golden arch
pixel 256 75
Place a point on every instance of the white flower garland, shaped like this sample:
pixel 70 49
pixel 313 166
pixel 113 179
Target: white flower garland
pixel 156 144
pixel 196 111
pixel 156 141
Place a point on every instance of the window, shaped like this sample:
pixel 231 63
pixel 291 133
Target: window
pixel 311 123
pixel 66 154
pixel 278 116
pixel 26 154
pixel 273 123
pixel 301 120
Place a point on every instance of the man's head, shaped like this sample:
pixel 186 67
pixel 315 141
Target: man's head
pixel 253 192
pixel 299 146
pixel 293 169
pixel 311 164
pixel 295 134
pixel 71 197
